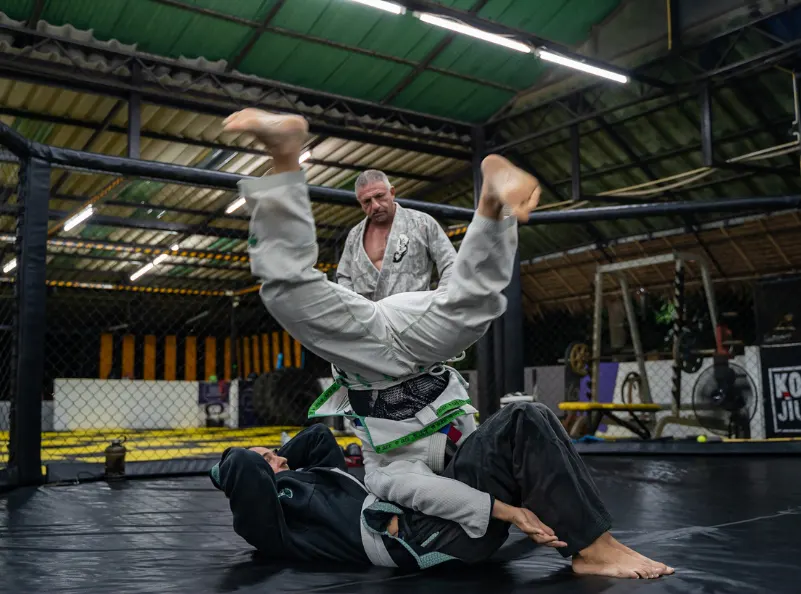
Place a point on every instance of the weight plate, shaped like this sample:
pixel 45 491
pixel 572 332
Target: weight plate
pixel 691 363
pixel 578 357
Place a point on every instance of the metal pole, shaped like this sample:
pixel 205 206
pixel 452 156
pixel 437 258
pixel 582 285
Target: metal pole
pixel 709 289
pixel 597 320
pixel 678 327
pixel 135 115
pixel 635 339
pixel 26 447
pixel 514 375
pixel 797 112
pixel 487 403
pixel 234 339
pixel 575 157
pixel 706 126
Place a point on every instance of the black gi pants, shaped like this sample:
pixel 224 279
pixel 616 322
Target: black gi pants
pixel 521 456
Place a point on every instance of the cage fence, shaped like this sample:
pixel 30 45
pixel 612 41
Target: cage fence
pixel 9 185
pixel 156 333
pixel 651 336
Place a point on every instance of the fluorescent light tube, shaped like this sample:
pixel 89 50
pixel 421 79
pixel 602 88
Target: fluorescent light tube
pixel 575 64
pixel 235 205
pixel 382 5
pixel 473 32
pixel 79 218
pixel 144 270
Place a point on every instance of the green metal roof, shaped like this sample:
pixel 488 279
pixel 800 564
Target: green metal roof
pixel 278 54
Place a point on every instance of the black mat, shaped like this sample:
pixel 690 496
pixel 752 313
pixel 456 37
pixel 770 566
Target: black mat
pixel 727 525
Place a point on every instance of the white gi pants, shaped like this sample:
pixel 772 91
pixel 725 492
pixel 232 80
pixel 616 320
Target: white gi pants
pixel 396 336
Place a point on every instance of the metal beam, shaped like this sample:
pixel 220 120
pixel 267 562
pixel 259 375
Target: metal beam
pixel 715 78
pixel 488 401
pixel 218 106
pixel 330 114
pixel 736 30
pixel 707 147
pixel 144 224
pixel 327 42
pixel 669 154
pixel 663 209
pixel 122 259
pixel 575 163
pixel 81 160
pixel 522 35
pixel 36 14
pixel 256 35
pixel 427 60
pixel 105 126
pixel 140 248
pixel 674 25
pixel 135 116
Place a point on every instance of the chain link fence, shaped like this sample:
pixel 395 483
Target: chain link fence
pixel 155 332
pixel 653 341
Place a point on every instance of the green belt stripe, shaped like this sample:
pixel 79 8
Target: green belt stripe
pixel 421 434
pixel 322 398
pixel 451 405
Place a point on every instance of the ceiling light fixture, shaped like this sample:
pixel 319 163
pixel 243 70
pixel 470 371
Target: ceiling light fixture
pixel 472 32
pixel 383 5
pixel 576 65
pixel 79 218
pixel 144 270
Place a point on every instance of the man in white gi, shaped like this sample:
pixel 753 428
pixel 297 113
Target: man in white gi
pixel 393 249
pixel 378 348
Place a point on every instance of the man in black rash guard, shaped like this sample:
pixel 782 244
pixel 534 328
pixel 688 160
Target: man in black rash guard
pixel 300 504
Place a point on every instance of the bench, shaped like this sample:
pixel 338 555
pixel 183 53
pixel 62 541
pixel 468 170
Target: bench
pixel 598 410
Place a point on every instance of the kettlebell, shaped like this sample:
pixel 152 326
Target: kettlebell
pixel 115 460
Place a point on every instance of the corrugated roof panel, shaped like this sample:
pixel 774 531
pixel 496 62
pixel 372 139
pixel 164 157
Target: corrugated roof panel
pixel 325 68
pixel 153 27
pixel 455 98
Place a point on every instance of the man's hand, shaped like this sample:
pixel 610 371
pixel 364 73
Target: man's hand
pixel 392 528
pixel 528 523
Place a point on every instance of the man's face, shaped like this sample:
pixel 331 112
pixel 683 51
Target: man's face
pixel 276 462
pixel 377 201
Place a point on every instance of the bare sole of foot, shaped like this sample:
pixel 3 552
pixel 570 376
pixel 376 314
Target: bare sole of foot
pixel 282 134
pixel 510 185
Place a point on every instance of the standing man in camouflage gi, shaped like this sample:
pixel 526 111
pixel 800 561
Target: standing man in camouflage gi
pixel 393 250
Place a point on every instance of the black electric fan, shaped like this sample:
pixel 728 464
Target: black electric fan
pixel 724 400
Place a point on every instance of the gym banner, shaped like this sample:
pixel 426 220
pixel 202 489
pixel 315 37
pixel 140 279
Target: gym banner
pixel 777 304
pixel 781 390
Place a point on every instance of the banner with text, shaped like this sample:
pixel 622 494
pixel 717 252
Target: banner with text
pixel 781 382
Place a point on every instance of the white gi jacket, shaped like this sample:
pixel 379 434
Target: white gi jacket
pixel 416 242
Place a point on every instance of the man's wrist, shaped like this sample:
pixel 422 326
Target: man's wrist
pixel 501 511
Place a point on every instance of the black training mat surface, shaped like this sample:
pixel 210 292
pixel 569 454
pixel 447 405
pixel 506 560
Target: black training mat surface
pixel 728 524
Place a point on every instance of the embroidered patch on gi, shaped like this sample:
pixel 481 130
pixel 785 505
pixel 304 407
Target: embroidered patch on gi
pixel 253 241
pixel 285 493
pixel 403 247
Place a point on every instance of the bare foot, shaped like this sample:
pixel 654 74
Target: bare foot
pixel 660 567
pixel 282 134
pixel 509 185
pixel 604 558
